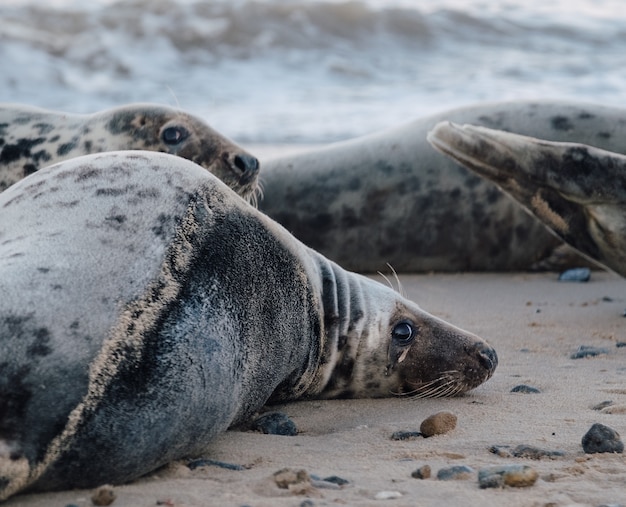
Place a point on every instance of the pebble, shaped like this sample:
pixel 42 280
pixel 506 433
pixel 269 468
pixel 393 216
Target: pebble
pixel 588 351
pixel 601 438
pixel 202 462
pixel 517 476
pixel 104 495
pixel 288 477
pixel 575 275
pixel 619 345
pixel 275 423
pixel 422 472
pixel 603 404
pixel 455 473
pixel 525 389
pixel 525 451
pixel 387 495
pixel 438 424
pixel 405 435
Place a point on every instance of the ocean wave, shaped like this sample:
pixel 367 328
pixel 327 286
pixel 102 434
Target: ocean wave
pixel 282 62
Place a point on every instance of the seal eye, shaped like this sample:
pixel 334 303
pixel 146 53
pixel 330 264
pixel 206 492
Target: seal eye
pixel 174 135
pixel 403 333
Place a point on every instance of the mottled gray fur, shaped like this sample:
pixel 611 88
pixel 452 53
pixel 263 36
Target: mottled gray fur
pixel 145 307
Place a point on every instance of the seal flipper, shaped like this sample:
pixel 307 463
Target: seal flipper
pixel 578 191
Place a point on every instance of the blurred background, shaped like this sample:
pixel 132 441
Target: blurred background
pixel 310 71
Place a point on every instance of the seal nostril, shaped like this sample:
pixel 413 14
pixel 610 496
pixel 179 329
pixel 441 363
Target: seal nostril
pixel 246 163
pixel 488 357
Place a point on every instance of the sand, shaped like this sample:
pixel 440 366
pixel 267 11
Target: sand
pixel 534 322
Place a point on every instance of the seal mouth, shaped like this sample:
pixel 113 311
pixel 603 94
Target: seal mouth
pixel 448 384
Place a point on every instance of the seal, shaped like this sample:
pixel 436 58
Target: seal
pixel 31 138
pixel 389 197
pixel 577 191
pixel 146 307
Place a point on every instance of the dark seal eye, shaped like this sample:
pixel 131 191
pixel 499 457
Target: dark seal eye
pixel 174 135
pixel 403 333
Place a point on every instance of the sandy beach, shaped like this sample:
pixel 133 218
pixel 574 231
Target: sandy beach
pixel 535 324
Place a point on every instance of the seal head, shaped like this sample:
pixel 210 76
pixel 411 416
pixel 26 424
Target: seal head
pixel 32 138
pixel 576 190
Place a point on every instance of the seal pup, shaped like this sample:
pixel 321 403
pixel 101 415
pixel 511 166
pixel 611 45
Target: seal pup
pixel 389 197
pixel 146 307
pixel 31 138
pixel 577 190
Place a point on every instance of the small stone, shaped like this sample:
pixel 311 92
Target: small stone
pixel 456 473
pixel 307 503
pixel 602 404
pixel 531 452
pixel 587 351
pixel 387 495
pixel 406 435
pixel 422 472
pixel 601 438
pixel 275 423
pixel 575 275
pixel 525 389
pixel 202 462
pixel 504 451
pixel 619 345
pixel 438 424
pixel 104 495
pixel 517 476
pixel 288 477
pixel 336 480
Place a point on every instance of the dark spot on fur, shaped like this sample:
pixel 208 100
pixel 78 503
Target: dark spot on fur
pixel 586 116
pixel 110 191
pixel 74 325
pixel 28 169
pixel 88 173
pixel 43 270
pixel 65 148
pixel 88 145
pixel 15 394
pixel 40 346
pixel 561 123
pixel 604 135
pixel 116 219
pixel 54 139
pixel 57 286
pixel 1 141
pixel 44 128
pixel 41 155
pixel 12 152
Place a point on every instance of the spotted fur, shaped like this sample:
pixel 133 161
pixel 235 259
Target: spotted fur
pixel 32 138
pixel 148 308
pixel 577 191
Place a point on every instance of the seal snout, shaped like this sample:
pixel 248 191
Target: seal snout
pixel 245 166
pixel 487 357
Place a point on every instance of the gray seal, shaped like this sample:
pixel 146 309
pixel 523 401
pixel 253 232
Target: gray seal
pixel 389 197
pixel 32 138
pixel 576 190
pixel 146 307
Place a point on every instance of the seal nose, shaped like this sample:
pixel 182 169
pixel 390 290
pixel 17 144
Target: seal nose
pixel 487 356
pixel 247 165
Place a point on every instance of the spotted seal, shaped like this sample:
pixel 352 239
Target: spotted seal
pixel 389 197
pixel 31 138
pixel 577 190
pixel 146 307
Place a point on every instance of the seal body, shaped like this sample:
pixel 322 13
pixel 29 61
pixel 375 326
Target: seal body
pixel 576 190
pixel 391 198
pixel 146 307
pixel 32 138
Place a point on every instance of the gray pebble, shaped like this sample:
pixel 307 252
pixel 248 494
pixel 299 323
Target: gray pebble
pixel 575 275
pixel 422 472
pixel 275 423
pixel 602 405
pixel 601 438
pixel 517 476
pixel 455 473
pixel 523 388
pixel 406 435
pixel 588 351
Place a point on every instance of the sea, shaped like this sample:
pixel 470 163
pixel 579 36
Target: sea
pixel 309 71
